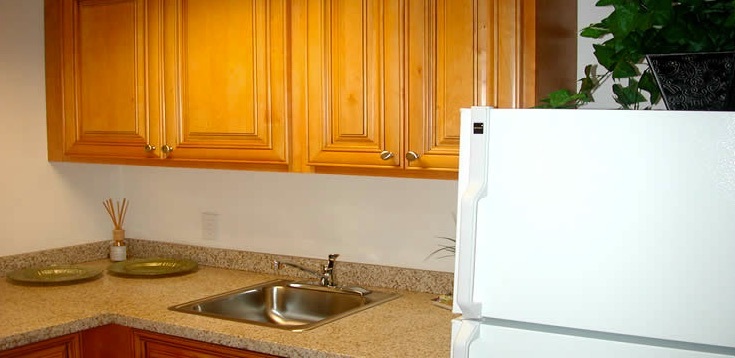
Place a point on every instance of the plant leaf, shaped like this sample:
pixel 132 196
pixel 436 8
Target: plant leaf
pixel 624 19
pixel 450 248
pixel 648 83
pixel 561 99
pixel 628 96
pixel 605 56
pixel 624 69
pixel 594 32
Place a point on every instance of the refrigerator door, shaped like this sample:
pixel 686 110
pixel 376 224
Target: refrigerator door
pixel 600 220
pixel 503 342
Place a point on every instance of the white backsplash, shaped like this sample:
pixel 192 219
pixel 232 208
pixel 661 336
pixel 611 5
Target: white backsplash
pixel 375 220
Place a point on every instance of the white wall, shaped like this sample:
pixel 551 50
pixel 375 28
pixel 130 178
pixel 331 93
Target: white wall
pixel 42 205
pixel 386 221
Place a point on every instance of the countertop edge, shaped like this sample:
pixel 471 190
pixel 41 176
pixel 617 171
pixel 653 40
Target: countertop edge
pixel 102 319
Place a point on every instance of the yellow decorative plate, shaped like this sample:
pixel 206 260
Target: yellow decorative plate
pixel 54 275
pixel 153 267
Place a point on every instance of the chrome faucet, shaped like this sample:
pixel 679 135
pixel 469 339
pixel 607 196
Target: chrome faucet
pixel 326 275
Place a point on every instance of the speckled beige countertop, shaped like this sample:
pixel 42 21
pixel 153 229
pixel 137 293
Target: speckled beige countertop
pixel 410 326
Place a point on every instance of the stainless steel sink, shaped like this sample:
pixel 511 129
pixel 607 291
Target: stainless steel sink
pixel 286 304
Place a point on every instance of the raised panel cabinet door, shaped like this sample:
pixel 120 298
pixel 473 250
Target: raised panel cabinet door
pixel 156 345
pixel 445 67
pixel 60 347
pixel 108 341
pixel 225 72
pixel 97 56
pixel 350 54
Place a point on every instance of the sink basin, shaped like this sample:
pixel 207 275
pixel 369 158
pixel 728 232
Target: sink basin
pixel 286 304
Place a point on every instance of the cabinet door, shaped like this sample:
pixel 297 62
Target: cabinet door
pixel 96 54
pixel 348 65
pixel 384 80
pixel 108 341
pixel 156 345
pixel 444 67
pixel 60 347
pixel 225 80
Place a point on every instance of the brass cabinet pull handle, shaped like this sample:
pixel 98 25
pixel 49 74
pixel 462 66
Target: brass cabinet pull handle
pixel 150 148
pixel 411 156
pixel 385 155
pixel 167 149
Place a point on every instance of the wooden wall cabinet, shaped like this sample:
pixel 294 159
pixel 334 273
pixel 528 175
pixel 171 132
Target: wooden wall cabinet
pixel 97 88
pixel 225 80
pixel 379 84
pixel 330 86
pixel 168 82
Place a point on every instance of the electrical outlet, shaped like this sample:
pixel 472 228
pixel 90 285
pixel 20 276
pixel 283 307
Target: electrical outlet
pixel 210 226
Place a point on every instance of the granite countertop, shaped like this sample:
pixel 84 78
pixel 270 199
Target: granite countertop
pixel 410 326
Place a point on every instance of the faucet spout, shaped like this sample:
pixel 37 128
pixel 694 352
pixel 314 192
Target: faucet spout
pixel 326 275
pixel 277 265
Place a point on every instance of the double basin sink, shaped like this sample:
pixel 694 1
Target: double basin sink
pixel 286 304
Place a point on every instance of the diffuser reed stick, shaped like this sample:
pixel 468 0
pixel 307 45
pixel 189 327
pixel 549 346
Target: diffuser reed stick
pixel 117 212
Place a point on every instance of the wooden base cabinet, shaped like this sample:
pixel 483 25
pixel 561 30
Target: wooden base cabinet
pixel 329 86
pixel 116 341
pixel 109 341
pixel 156 345
pixel 67 346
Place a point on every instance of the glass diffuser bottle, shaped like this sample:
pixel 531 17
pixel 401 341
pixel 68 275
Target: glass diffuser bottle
pixel 118 249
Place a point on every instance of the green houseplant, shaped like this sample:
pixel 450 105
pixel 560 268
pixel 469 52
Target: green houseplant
pixel 636 28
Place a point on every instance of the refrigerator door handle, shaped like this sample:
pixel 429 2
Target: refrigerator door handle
pixel 468 332
pixel 467 226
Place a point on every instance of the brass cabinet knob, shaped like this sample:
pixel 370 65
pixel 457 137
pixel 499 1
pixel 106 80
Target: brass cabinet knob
pixel 167 149
pixel 149 148
pixel 385 155
pixel 411 156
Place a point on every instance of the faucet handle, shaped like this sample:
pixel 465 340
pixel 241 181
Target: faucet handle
pixel 328 278
pixel 330 264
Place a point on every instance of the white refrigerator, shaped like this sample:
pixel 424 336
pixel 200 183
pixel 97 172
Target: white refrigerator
pixel 595 233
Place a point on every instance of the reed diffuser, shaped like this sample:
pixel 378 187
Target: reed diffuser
pixel 117 211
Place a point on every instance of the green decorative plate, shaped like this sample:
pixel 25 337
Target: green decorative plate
pixel 152 267
pixel 54 275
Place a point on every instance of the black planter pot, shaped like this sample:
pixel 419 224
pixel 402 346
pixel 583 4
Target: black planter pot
pixel 696 81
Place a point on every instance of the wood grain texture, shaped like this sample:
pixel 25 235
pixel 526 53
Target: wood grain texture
pixel 155 345
pixel 54 87
pixel 66 346
pixel 387 76
pixel 302 86
pixel 108 341
pixel 226 80
pixel 534 42
pixel 104 78
pixel 444 57
pixel 352 80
